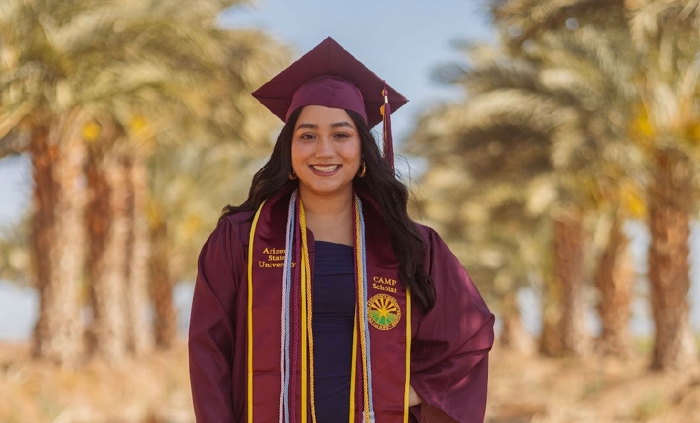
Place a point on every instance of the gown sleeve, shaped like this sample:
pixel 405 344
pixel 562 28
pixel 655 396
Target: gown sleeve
pixel 211 333
pixel 450 347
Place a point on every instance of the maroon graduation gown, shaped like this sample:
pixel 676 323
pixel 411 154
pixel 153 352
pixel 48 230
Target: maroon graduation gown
pixel 449 347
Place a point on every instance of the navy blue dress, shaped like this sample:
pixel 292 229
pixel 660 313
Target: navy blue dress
pixel 332 322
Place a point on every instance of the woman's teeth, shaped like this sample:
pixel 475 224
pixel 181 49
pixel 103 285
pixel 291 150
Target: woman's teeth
pixel 325 168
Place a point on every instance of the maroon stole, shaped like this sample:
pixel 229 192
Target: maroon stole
pixel 389 338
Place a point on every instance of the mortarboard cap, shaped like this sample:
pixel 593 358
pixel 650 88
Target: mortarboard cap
pixel 330 76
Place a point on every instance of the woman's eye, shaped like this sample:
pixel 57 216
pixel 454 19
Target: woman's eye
pixel 307 136
pixel 342 135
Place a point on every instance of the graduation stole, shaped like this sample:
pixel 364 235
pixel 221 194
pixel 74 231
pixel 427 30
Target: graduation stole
pixel 280 359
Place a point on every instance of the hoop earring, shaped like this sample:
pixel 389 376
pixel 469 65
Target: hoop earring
pixel 292 175
pixel 362 171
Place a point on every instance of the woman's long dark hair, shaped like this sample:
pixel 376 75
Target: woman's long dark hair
pixel 391 195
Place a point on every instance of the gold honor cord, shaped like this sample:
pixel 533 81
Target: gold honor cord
pixel 250 313
pixel 360 297
pixel 353 371
pixel 307 301
pixel 408 356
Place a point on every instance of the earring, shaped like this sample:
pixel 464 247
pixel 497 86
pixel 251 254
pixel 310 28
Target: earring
pixel 292 175
pixel 362 171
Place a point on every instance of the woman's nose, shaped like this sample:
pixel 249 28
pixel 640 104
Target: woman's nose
pixel 324 148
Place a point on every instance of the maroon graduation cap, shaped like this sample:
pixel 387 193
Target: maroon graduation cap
pixel 330 76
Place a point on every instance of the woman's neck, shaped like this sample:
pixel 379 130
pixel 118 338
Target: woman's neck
pixel 329 217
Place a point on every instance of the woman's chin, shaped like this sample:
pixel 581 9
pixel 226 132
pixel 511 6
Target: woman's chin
pixel 327 189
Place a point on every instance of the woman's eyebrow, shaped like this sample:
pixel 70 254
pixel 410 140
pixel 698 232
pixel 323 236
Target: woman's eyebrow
pixel 342 124
pixel 307 126
pixel 335 125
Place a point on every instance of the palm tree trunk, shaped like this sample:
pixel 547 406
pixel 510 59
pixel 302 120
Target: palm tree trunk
pixel 162 286
pixel 513 334
pixel 551 338
pixel 139 337
pixel 98 220
pixel 109 233
pixel 42 231
pixel 615 283
pixel 669 211
pixel 57 224
pixel 569 274
pixel 110 287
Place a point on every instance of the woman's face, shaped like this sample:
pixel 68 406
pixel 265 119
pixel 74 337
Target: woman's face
pixel 326 151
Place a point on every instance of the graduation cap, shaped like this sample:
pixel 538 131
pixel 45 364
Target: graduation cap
pixel 330 76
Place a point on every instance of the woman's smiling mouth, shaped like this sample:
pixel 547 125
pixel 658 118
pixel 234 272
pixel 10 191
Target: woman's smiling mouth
pixel 325 169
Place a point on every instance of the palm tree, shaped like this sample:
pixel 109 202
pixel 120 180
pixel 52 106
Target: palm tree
pixel 613 179
pixel 86 73
pixel 151 70
pixel 173 115
pixel 48 91
pixel 666 40
pixel 555 93
pixel 479 194
pixel 26 103
pixel 190 185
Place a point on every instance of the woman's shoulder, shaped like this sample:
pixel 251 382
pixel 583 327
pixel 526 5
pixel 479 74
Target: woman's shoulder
pixel 429 234
pixel 240 219
pixel 235 227
pixel 436 249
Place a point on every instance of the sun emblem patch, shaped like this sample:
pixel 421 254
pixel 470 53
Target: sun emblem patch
pixel 384 311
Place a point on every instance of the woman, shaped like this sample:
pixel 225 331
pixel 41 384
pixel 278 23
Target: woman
pixel 318 299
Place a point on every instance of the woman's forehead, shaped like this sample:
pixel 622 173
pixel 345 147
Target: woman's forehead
pixel 322 116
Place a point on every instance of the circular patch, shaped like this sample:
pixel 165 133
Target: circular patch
pixel 384 311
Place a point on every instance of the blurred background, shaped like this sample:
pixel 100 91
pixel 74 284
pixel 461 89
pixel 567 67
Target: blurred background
pixel 554 144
